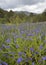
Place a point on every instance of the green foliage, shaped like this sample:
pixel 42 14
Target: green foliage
pixel 19 17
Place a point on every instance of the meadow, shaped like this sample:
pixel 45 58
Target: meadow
pixel 23 44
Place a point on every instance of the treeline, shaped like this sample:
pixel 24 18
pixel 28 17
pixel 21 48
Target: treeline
pixel 19 17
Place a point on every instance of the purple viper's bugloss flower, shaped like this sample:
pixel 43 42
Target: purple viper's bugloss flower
pixel 8 40
pixel 37 52
pixel 30 34
pixel 32 49
pixel 33 63
pixel 17 46
pixel 41 47
pixel 4 63
pixel 20 53
pixel 22 32
pixel 0 64
pixel 7 46
pixel 19 60
pixel 3 45
pixel 37 31
pixel 44 58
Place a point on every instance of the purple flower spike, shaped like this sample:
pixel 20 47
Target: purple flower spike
pixel 30 34
pixel 22 32
pixel 37 52
pixel 33 63
pixel 4 63
pixel 3 45
pixel 32 49
pixel 7 46
pixel 20 53
pixel 8 40
pixel 0 64
pixel 17 46
pixel 44 58
pixel 19 60
pixel 41 47
pixel 37 31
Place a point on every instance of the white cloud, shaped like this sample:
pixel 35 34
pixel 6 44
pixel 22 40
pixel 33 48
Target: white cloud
pixel 37 8
pixel 6 4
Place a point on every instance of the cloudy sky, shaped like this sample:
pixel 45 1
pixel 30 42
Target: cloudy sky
pixel 25 5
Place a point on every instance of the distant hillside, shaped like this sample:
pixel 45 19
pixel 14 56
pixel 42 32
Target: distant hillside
pixel 19 17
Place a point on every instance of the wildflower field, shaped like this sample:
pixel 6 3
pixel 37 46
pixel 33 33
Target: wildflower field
pixel 23 44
